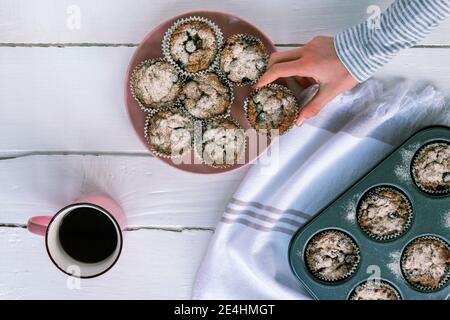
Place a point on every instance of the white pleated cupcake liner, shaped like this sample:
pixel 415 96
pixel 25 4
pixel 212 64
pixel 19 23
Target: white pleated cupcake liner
pixel 147 138
pixel 273 86
pixel 394 235
pixel 133 79
pixel 250 39
pixel 414 176
pixel 416 286
pixel 168 35
pixel 343 277
pixel 198 142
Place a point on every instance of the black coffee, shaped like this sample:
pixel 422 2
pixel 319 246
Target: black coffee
pixel 88 235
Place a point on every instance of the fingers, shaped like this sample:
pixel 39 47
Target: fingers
pixel 280 70
pixel 283 56
pixel 312 108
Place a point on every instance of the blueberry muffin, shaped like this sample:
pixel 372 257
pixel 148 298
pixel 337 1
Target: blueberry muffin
pixel 155 84
pixel 244 59
pixel 431 168
pixel 272 107
pixel 169 133
pixel 193 44
pixel 375 290
pixel 384 213
pixel 332 255
pixel 222 143
pixel 426 263
pixel 205 96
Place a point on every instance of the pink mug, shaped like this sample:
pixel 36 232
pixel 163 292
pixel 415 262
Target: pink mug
pixel 58 235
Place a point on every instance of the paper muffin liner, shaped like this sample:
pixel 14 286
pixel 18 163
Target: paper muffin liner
pixel 418 287
pixel 168 35
pixel 249 38
pixel 133 78
pixel 382 283
pixel 273 86
pixel 226 114
pixel 198 145
pixel 147 138
pixel 343 277
pixel 392 236
pixel 414 163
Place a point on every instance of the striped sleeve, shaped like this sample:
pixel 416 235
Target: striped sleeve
pixel 366 47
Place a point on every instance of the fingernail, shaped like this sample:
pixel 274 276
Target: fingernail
pixel 300 121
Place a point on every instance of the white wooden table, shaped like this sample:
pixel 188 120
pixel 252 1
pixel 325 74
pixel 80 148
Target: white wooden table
pixel 64 131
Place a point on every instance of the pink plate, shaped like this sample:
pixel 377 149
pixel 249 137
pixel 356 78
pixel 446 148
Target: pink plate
pixel 150 47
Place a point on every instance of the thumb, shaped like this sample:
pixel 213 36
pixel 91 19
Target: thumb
pixel 313 107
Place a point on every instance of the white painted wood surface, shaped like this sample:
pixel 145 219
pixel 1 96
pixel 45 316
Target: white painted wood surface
pixel 62 115
pixel 127 21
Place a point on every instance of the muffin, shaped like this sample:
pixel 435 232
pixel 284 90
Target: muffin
pixel 206 96
pixel 192 44
pixel 332 255
pixel 155 83
pixel 221 144
pixel 431 168
pixel 244 59
pixel 169 133
pixel 375 290
pixel 273 107
pixel 426 263
pixel 384 213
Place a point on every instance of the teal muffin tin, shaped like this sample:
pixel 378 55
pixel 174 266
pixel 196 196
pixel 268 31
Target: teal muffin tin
pixel 379 259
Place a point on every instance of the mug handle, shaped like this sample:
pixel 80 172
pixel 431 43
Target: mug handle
pixel 39 224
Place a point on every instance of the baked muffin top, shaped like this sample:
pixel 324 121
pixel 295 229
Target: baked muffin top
pixel 332 256
pixel 272 107
pixel 375 291
pixel 384 212
pixel 193 46
pixel 426 262
pixel 431 167
pixel 244 59
pixel 205 96
pixel 222 144
pixel 169 132
pixel 155 84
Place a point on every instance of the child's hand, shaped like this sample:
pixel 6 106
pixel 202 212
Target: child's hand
pixel 315 62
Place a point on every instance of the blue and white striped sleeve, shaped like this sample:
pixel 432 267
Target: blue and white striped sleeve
pixel 366 47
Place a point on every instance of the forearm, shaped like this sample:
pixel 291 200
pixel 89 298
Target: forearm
pixel 363 49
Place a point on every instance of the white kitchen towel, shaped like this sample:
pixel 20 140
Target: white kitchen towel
pixel 248 254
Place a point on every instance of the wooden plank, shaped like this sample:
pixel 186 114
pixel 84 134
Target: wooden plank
pixel 150 192
pixel 153 265
pixel 122 21
pixel 71 99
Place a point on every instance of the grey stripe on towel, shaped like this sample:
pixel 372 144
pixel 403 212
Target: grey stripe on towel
pixel 257 226
pixel 262 217
pixel 271 209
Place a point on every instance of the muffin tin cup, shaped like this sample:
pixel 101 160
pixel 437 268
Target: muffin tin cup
pixel 382 260
pixel 251 39
pixel 443 281
pixel 392 236
pixel 272 86
pixel 415 179
pixel 142 105
pixel 147 138
pixel 198 137
pixel 383 283
pixel 345 276
pixel 226 114
pixel 168 35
